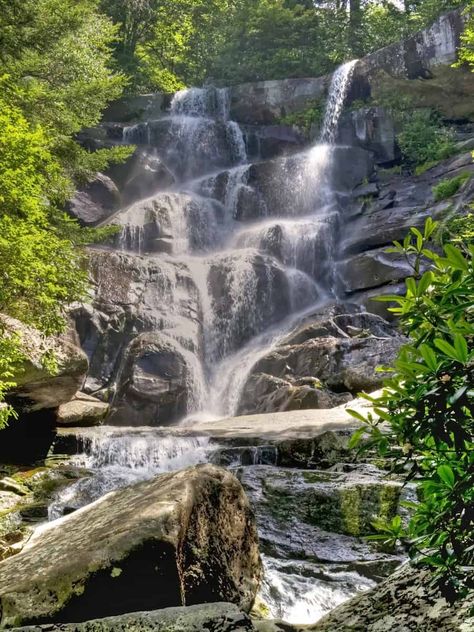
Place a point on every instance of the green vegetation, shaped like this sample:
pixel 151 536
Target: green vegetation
pixel 305 119
pixel 424 420
pixel 56 78
pixel 166 45
pixel 459 230
pixel 447 188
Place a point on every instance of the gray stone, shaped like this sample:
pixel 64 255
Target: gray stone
pixel 407 600
pixel 186 537
pixel 96 202
pixel 153 385
pixel 36 388
pixel 219 617
pixel 372 129
pixel 338 349
pixel 83 410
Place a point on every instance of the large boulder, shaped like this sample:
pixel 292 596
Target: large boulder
pixel 155 384
pixel 96 201
pixel 183 538
pixel 133 295
pixel 220 617
pixel 407 600
pixel 324 362
pixel 83 410
pixel 36 388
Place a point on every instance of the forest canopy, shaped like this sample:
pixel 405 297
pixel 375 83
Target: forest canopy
pixel 169 44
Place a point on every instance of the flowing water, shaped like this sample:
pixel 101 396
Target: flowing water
pixel 255 250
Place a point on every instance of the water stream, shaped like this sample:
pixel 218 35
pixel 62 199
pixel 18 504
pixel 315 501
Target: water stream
pixel 253 281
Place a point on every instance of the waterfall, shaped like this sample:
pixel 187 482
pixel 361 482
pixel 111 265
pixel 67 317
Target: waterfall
pixel 340 84
pixel 258 247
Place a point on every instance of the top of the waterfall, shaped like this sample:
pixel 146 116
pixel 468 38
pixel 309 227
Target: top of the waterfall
pixel 340 84
pixel 201 103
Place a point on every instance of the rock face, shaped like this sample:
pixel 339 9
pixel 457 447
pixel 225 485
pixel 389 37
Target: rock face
pixel 406 600
pixel 37 389
pixel 323 363
pixel 376 218
pixel 83 410
pixel 154 383
pixel 38 393
pixel 219 617
pixel 96 202
pixel 182 538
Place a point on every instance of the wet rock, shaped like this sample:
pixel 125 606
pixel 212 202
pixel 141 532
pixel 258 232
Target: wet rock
pixel 270 141
pixel 265 393
pixel 134 295
pixel 182 537
pixel 407 600
pixel 372 129
pixel 174 222
pixel 337 502
pixel 83 410
pixel 372 269
pixel 37 389
pixel 338 350
pixel 96 202
pixel 154 383
pixel 249 292
pixel 219 617
pixel 141 175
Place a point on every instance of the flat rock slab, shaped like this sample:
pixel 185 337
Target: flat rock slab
pixel 220 617
pixel 183 538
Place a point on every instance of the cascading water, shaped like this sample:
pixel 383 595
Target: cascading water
pixel 337 93
pixel 220 292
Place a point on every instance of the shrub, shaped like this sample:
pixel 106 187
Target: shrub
pixel 314 114
pixel 447 188
pixel 423 139
pixel 423 420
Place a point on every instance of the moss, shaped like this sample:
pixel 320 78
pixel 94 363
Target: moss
pixel 350 502
pixel 389 499
pixel 447 188
pixel 305 119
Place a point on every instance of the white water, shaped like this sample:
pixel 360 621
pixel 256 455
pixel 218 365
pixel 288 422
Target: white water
pixel 223 293
pixel 340 84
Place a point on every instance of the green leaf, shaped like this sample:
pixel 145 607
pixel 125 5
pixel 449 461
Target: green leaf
pixel 460 345
pixel 446 474
pixel 446 348
pixel 429 356
pixel 455 257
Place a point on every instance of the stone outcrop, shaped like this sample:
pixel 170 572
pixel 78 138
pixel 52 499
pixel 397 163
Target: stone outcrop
pixel 83 410
pixel 154 383
pixel 216 617
pixel 36 388
pixel 38 392
pixel 183 538
pixel 324 362
pixel 377 218
pixel 407 600
pixel 96 201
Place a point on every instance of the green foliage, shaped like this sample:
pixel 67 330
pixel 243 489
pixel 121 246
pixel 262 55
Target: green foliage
pixel 55 80
pixel 466 52
pixel 459 230
pixel 447 188
pixel 424 420
pixel 305 119
pixel 56 68
pixel 423 139
pixel 426 166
